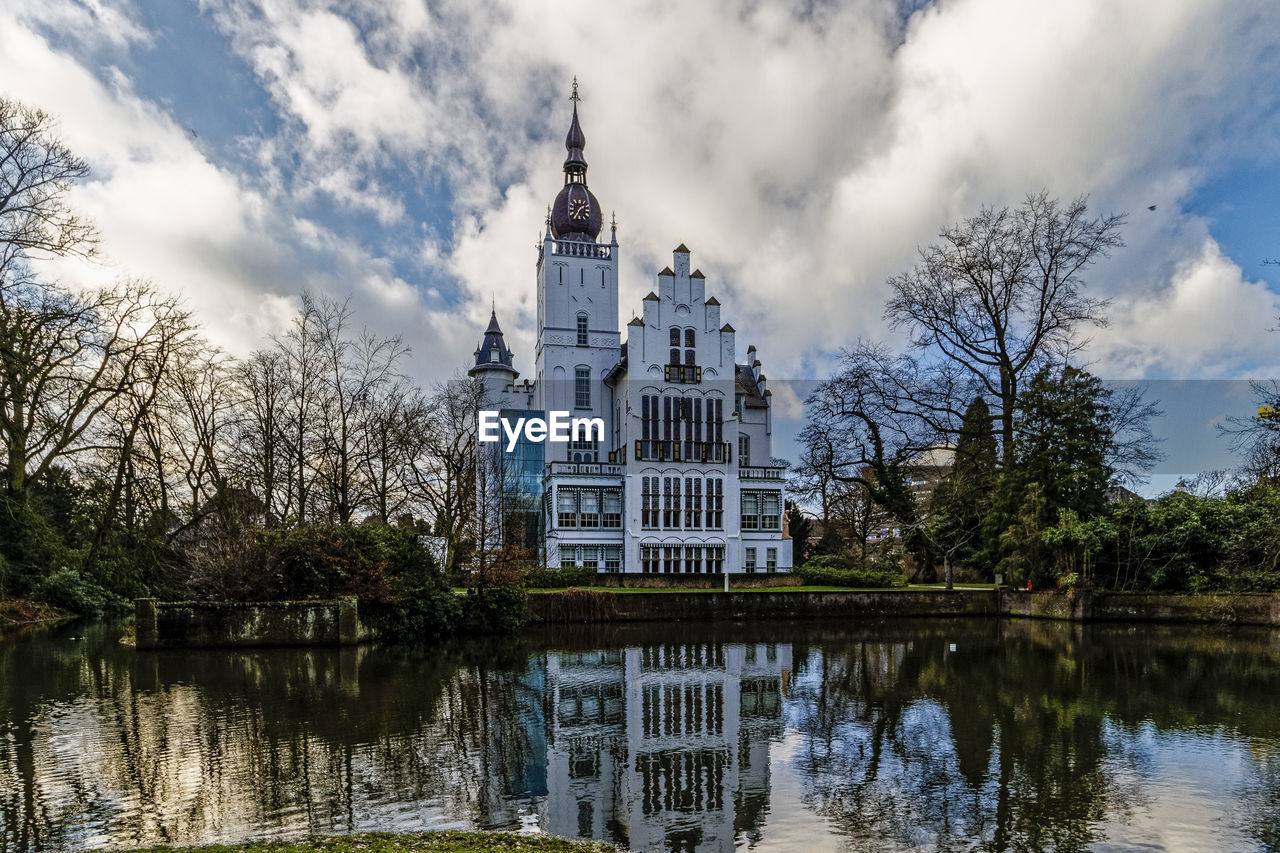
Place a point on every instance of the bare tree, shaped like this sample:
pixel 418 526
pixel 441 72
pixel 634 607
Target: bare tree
pixel 443 467
pixel 262 458
pixel 356 371
pixel 870 420
pixel 36 172
pixel 1257 438
pixel 64 359
pixel 1002 292
pixel 388 439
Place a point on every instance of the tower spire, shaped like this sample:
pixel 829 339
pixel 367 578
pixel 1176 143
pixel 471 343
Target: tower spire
pixel 575 210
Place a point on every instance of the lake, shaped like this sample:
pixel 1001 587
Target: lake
pixel 896 735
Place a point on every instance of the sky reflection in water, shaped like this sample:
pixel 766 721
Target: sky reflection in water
pixel 1027 735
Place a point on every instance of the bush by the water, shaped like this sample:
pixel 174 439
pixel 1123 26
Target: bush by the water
pixel 848 570
pixel 494 609
pixel 403 595
pixel 540 577
pixel 68 589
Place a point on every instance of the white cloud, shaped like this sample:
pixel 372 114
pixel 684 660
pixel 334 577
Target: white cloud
pixel 1209 322
pixel 166 213
pixel 802 156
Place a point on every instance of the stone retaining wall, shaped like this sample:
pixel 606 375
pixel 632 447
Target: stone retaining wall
pixel 599 606
pixel 740 580
pixel 594 605
pixel 195 624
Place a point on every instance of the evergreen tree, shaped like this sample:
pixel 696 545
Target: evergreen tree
pixel 800 527
pixel 1063 439
pixel 961 501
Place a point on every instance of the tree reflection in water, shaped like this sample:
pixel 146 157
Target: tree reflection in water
pixel 929 735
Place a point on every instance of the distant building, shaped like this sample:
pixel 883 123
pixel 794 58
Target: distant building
pixel 683 482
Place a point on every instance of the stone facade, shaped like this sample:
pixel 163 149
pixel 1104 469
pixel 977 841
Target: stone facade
pixel 683 482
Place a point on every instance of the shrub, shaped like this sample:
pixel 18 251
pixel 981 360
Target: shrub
pixel 860 577
pixel 68 589
pixel 541 577
pixel 494 609
pixel 423 614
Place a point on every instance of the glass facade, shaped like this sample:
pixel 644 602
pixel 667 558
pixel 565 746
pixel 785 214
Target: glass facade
pixel 522 510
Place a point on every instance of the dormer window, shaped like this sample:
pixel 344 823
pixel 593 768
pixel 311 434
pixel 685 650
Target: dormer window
pixel 582 330
pixel 494 356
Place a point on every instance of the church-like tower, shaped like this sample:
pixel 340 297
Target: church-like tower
pixel 578 338
pixel 683 481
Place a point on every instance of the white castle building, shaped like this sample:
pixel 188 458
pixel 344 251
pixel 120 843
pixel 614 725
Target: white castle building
pixel 683 481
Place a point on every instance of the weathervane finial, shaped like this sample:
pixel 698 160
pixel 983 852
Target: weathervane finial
pixel 574 97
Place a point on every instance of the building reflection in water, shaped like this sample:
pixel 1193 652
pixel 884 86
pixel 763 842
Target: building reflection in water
pixel 663 746
pixel 899 736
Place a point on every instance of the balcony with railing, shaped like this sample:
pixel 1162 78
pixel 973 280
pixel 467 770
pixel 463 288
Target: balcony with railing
pixel 761 472
pixel 709 452
pixel 596 469
pixel 581 249
pixel 682 374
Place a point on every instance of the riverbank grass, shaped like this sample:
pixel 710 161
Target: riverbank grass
pixel 413 842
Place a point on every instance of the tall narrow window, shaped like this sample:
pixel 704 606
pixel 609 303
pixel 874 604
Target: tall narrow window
pixel 582 330
pixel 588 508
pixel 649 502
pixel 690 519
pixel 689 337
pixel 770 511
pixel 612 516
pixel 749 562
pixel 582 387
pixel 750 511
pixel 675 336
pixel 567 507
pixel 715 504
pixel 744 450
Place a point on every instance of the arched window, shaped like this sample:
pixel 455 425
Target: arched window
pixel 675 336
pixel 675 356
pixel 582 329
pixel 689 337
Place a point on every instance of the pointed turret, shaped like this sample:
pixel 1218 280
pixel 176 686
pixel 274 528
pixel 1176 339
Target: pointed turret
pixel 493 354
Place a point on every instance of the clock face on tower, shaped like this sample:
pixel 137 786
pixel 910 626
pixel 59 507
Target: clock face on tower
pixel 579 209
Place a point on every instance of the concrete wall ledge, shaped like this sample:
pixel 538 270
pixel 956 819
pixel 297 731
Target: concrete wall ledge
pixel 589 605
pixel 198 624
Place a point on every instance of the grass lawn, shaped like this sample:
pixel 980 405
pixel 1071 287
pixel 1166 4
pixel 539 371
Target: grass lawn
pixel 426 842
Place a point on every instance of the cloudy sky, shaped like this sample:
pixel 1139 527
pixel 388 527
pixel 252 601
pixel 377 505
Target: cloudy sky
pixel 404 152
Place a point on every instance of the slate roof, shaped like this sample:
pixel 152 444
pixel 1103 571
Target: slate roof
pixel 747 386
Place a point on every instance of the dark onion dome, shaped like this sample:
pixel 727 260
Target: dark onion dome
pixel 493 350
pixel 575 214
